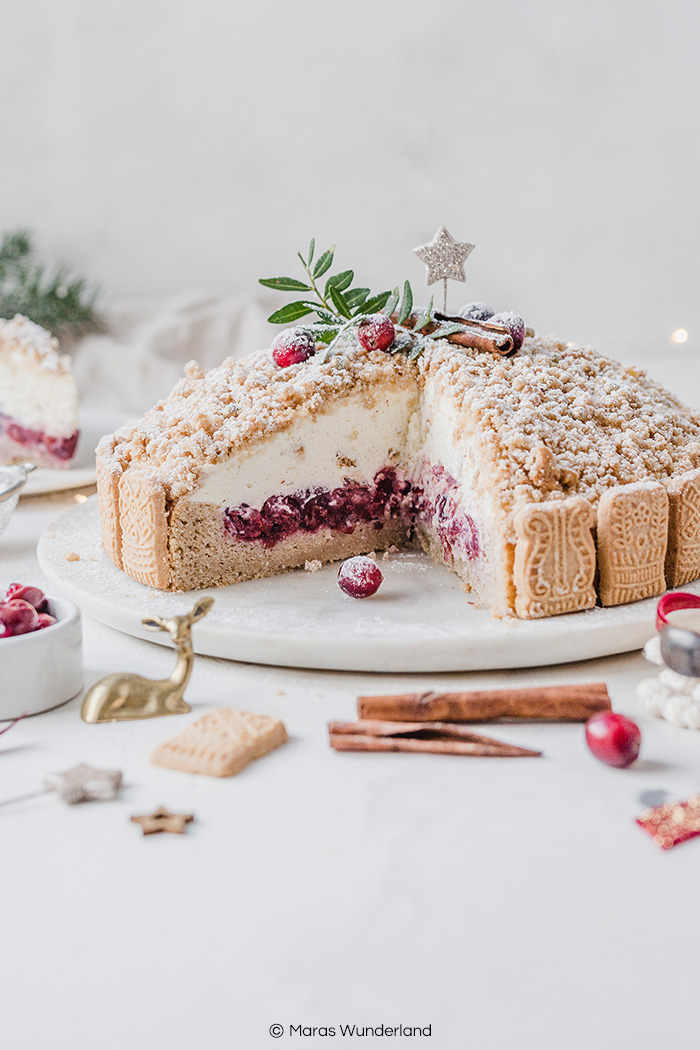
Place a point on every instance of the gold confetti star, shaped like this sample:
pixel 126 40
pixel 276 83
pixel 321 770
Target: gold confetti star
pixel 444 257
pixel 163 820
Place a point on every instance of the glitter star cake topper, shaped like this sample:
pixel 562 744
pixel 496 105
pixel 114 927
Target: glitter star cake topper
pixel 444 259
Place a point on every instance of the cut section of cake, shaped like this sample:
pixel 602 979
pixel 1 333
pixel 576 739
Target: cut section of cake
pixel 494 466
pixel 38 397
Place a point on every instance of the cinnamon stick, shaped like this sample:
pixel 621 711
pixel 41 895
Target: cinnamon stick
pixel 429 737
pixel 557 703
pixel 482 336
pixel 435 747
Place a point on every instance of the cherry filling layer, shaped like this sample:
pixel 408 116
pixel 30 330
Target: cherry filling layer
pixel 60 448
pixel 388 496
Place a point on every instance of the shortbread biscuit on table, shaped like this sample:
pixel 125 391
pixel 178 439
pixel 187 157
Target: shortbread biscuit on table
pixel 221 743
pixel 554 558
pixel 632 538
pixel 683 553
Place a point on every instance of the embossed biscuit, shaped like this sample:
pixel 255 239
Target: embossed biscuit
pixel 554 558
pixel 221 743
pixel 108 474
pixel 683 552
pixel 144 529
pixel 632 537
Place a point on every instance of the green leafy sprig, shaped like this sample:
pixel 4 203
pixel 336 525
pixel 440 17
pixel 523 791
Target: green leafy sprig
pixel 56 300
pixel 340 307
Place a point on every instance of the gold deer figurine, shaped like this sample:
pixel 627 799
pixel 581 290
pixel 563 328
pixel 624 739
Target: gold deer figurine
pixel 122 697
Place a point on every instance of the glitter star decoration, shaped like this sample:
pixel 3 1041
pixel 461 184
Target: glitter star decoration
pixel 163 820
pixel 84 783
pixel 444 259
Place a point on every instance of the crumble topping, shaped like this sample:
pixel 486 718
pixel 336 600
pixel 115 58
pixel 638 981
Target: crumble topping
pixel 557 420
pixel 211 414
pixel 554 420
pixel 20 337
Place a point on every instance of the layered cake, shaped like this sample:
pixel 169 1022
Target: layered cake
pixel 547 481
pixel 38 397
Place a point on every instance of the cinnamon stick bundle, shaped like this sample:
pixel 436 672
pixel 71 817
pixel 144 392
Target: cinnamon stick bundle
pixel 423 737
pixel 556 703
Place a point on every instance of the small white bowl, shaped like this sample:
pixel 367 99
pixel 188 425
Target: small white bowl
pixel 43 669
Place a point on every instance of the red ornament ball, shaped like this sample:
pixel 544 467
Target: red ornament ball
pixel 292 346
pixel 613 739
pixel 359 577
pixel 377 332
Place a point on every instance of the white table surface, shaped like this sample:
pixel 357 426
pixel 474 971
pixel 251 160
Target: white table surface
pixel 505 903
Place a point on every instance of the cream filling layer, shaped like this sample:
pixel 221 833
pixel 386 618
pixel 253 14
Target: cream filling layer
pixel 354 438
pixel 38 398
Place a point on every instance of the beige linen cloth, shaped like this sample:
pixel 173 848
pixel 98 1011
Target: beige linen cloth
pixel 147 343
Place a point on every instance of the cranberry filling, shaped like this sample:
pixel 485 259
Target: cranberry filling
pixel 388 496
pixel 456 530
pixel 62 448
pixel 309 510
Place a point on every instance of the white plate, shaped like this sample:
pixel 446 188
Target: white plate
pixel 94 424
pixel 420 620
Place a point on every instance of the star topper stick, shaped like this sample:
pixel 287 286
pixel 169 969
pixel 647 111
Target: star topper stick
pixel 444 259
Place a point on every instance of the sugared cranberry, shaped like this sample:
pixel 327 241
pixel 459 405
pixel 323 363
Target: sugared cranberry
pixel 292 346
pixel 613 738
pixel 514 324
pixel 18 617
pixel 359 577
pixel 377 332
pixel 32 595
pixel 44 620
pixel 476 312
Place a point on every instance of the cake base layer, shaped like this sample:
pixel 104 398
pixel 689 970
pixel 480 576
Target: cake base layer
pixel 22 444
pixel 202 554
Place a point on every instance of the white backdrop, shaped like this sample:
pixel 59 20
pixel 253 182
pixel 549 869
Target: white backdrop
pixel 171 146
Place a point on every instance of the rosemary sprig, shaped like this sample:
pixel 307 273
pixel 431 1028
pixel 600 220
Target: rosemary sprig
pixel 56 300
pixel 341 307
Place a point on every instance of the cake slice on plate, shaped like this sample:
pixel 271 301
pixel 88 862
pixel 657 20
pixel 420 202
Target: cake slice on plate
pixel 541 479
pixel 38 397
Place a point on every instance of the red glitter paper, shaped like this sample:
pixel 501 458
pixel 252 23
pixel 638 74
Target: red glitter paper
pixel 673 822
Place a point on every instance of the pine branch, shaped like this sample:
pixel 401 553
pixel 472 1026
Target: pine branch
pixel 56 300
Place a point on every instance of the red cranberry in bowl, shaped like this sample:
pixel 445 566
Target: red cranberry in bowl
pixel 33 595
pixel 359 577
pixel 44 620
pixel 17 617
pixel 376 332
pixel 292 346
pixel 613 739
